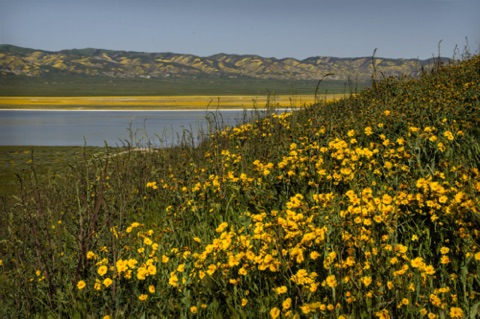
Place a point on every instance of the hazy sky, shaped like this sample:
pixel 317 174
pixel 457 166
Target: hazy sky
pixel 269 28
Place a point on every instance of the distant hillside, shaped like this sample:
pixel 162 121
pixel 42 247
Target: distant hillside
pixel 122 64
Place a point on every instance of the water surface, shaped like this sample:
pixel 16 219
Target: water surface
pixel 115 128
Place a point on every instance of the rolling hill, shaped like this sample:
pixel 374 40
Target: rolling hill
pixel 22 62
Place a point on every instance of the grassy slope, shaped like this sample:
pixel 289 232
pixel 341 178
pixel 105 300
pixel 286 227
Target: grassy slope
pixel 20 160
pixel 358 208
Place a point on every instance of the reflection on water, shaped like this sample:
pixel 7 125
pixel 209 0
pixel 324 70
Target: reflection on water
pixel 116 128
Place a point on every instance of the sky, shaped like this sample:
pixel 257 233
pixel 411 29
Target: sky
pixel 269 28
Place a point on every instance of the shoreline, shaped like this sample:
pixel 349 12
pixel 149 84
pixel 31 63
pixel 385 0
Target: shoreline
pixel 160 103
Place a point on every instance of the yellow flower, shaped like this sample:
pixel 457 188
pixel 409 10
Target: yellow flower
pixel 444 250
pixel 151 289
pixel 441 148
pixel 181 268
pixel 152 270
pixel 142 297
pixel 477 256
pixel 366 280
pixel 429 270
pixel 106 317
pixel 221 227
pixel 449 135
pixel 390 285
pixel 331 281
pixel 417 262
pixel 142 273
pixel 314 255
pixel 173 281
pixel 122 265
pixel 401 248
pixel 193 309
pixel 242 271
pixel 147 241
pixel 443 199
pixel 211 269
pixel 102 270
pixel 107 282
pixel 382 314
pixel 90 255
pixel 274 313
pixel 456 312
pixel 244 302
pixel 287 303
pixel 81 284
pixel 132 263
pixel 281 290
pixel 387 199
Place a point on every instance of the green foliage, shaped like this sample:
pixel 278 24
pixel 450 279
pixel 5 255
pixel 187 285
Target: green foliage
pixel 359 208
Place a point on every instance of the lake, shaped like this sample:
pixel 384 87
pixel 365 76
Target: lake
pixel 95 128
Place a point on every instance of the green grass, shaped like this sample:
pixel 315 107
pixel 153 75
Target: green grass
pixel 366 207
pixel 47 160
pixel 106 86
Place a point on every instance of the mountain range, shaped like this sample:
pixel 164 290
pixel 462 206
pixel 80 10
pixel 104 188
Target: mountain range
pixel 23 62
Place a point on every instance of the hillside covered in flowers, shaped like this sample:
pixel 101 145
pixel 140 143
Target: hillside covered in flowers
pixel 367 207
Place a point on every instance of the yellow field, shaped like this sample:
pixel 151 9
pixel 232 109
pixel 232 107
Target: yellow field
pixel 160 102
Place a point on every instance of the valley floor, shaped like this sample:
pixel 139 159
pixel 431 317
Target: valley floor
pixel 161 102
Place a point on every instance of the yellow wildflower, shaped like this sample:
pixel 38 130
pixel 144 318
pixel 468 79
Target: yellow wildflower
pixel 382 314
pixel 102 270
pixel 286 304
pixel 275 313
pixel 456 312
pixel 107 282
pixel 444 250
pixel 173 281
pixel 331 281
pixel 281 290
pixel 221 227
pixel 366 280
pixel 81 284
